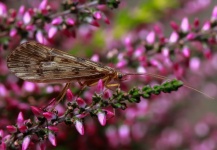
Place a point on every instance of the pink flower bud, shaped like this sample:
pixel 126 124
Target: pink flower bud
pixel 43 5
pixel 109 114
pixel 81 102
pixel 52 31
pixel 11 129
pixel 214 14
pixel 69 95
pixel 21 10
pixel 174 25
pixel 26 142
pixel 94 23
pixel 20 119
pixel 3 9
pixel 100 86
pixel 40 37
pixel 13 32
pixel 106 20
pixel 79 126
pixel 1 133
pixel 49 115
pixel 173 37
pixel 185 25
pixel 121 64
pixel 52 138
pixel 206 26
pixel 36 111
pixel 190 36
pixel 27 17
pixel 102 118
pixel 196 22
pixel 22 128
pixel 186 52
pixel 95 58
pixel 53 128
pixel 57 21
pixel 150 38
pixel 97 15
pixel 70 21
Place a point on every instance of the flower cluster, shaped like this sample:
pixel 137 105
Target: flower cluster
pixel 43 23
pixel 151 112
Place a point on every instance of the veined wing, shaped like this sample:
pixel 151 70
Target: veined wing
pixel 35 62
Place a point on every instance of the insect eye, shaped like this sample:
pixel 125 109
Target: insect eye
pixel 120 76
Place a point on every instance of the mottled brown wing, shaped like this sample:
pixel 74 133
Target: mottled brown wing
pixel 35 62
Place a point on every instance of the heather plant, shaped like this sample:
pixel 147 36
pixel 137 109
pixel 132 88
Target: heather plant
pixel 147 111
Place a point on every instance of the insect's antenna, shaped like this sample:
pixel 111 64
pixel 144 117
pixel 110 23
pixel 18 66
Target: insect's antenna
pixel 164 78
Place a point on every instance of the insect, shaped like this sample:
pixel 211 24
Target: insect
pixel 35 62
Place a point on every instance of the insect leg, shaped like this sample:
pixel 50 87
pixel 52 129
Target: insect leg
pixel 61 95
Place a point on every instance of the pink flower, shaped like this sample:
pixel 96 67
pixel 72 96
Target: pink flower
pixel 13 32
pixel 97 15
pixel 26 142
pixel 173 37
pixel 36 111
pixel 185 25
pixel 174 25
pixel 150 38
pixel 70 21
pixel 102 117
pixel 186 51
pixel 3 9
pixel 214 14
pixel 49 115
pixel 52 138
pixel 27 17
pixel 11 129
pixel 52 31
pixel 69 95
pixel 40 37
pixel 81 102
pixel 79 126
pixel 206 26
pixel 20 119
pixel 100 86
pixel 53 128
pixel 57 21
pixel 43 5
